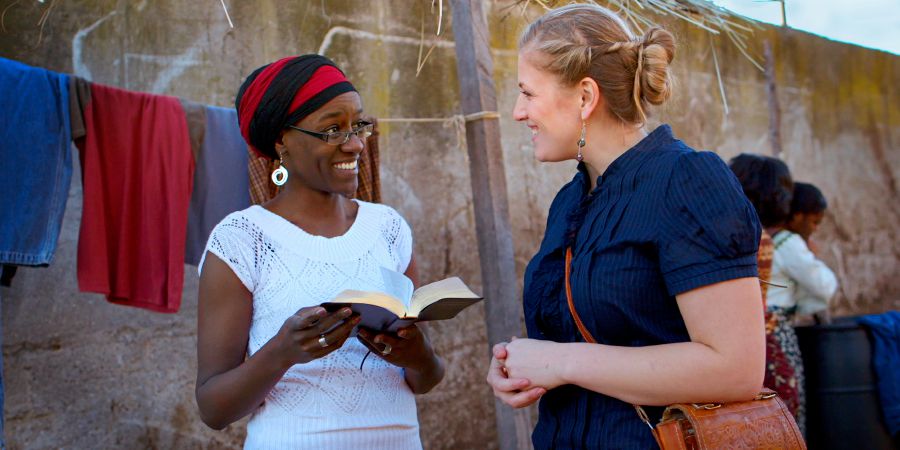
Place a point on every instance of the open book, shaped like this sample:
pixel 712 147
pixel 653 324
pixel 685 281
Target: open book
pixel 401 305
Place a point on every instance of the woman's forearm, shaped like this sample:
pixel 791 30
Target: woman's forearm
pixel 229 396
pixel 661 374
pixel 421 380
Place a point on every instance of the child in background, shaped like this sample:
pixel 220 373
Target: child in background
pixel 807 210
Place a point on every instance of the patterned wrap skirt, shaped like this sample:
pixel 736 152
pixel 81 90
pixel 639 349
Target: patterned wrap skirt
pixel 784 366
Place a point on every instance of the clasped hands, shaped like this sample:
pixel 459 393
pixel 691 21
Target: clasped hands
pixel 523 370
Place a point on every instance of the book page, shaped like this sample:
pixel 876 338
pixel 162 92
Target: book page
pixel 398 285
pixel 387 302
pixel 450 288
pixel 445 308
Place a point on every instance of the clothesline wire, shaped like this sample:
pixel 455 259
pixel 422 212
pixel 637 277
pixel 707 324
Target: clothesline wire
pixel 456 121
pixel 455 118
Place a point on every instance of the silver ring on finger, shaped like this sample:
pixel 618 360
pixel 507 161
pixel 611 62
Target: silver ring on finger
pixel 322 341
pixel 387 349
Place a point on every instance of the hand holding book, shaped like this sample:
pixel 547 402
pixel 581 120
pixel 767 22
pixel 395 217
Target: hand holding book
pixel 312 333
pixel 408 348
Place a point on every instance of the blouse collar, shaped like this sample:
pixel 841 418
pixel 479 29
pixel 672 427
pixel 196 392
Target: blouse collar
pixel 657 138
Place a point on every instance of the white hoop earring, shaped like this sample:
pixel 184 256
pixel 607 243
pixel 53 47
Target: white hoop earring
pixel 280 175
pixel 581 142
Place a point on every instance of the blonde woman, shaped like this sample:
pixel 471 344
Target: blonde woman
pixel 663 244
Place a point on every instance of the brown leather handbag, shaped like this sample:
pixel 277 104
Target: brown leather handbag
pixel 760 423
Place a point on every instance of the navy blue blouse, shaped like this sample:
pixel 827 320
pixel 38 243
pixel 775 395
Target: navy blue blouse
pixel 662 220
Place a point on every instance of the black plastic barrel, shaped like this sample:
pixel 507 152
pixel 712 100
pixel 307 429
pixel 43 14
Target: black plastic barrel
pixel 842 408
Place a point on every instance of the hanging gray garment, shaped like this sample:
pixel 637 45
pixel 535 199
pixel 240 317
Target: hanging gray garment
pixel 220 179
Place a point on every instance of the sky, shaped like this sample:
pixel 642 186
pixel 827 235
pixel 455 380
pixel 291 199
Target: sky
pixel 869 23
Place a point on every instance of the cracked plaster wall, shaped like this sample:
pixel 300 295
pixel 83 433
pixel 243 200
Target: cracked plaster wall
pixel 82 373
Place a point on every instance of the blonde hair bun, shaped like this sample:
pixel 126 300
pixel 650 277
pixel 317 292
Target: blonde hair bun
pixel 659 50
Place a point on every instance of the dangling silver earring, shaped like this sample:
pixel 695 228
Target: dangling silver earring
pixel 581 142
pixel 280 175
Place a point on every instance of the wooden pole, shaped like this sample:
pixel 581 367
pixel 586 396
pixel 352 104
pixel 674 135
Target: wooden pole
pixel 503 312
pixel 783 14
pixel 774 108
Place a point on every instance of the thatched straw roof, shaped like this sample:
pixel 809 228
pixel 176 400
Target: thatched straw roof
pixel 700 13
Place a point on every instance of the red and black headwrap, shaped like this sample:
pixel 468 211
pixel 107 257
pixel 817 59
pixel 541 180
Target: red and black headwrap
pixel 282 93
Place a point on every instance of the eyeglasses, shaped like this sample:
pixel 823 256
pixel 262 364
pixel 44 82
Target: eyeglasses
pixel 340 137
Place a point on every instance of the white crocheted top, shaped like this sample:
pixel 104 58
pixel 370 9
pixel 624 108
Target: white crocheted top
pixel 327 403
pixel 810 284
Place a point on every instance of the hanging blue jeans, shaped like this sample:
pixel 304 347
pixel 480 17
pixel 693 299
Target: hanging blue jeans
pixel 36 155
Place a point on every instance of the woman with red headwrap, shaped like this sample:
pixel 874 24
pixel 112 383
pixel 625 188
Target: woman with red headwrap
pixel 265 346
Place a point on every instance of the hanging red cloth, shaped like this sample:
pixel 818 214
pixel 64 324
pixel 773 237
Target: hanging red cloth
pixel 137 173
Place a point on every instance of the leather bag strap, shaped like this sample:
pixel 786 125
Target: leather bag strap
pixel 586 335
pixel 581 328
